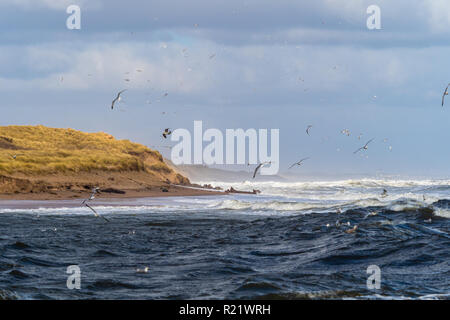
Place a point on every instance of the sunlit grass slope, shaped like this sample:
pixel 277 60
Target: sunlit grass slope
pixel 36 150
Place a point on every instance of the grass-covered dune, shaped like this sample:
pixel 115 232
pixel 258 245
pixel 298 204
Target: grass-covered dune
pixel 38 159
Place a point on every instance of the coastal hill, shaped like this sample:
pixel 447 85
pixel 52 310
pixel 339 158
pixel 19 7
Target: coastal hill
pixel 40 162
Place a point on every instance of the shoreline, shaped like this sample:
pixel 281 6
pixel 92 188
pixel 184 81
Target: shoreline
pixel 172 191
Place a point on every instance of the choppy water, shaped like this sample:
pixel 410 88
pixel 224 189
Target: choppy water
pixel 283 243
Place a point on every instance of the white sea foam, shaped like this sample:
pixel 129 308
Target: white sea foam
pixel 444 213
pixel 298 198
pixel 269 205
pixel 84 210
pixel 296 188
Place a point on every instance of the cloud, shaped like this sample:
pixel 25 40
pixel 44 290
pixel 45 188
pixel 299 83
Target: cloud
pixel 244 75
pixel 287 61
pixel 324 22
pixel 437 15
pixel 100 67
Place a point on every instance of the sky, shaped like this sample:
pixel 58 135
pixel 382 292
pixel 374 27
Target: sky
pixel 240 64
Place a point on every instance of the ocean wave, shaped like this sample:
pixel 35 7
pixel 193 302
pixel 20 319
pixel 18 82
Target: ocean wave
pixel 437 296
pixel 247 246
pixel 108 284
pixel 347 191
pixel 276 197
pixel 401 205
pixel 314 185
pixel 253 204
pixel 84 210
pixel 443 213
pixel 269 205
pixel 314 295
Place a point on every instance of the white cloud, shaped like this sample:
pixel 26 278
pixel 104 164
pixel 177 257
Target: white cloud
pixel 234 73
pixel 437 14
pixel 105 66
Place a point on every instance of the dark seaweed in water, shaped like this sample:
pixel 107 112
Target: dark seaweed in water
pixel 207 254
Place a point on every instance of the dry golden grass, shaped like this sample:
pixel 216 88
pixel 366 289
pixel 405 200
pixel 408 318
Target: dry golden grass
pixel 43 150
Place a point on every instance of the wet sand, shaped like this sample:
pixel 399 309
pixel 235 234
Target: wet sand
pixel 172 191
pixel 111 184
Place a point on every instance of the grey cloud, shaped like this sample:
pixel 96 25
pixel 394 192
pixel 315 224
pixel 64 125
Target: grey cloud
pixel 324 22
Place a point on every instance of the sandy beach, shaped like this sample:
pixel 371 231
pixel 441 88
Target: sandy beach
pixel 111 184
pixel 71 200
pixel 129 193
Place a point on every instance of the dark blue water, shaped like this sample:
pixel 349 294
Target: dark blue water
pixel 205 254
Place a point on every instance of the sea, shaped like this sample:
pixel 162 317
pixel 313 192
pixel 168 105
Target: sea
pixel 345 239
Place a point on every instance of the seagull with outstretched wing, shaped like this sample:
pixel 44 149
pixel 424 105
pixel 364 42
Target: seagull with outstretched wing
pixel 365 147
pixel 299 163
pixel 445 94
pixel 95 212
pixel 259 167
pixel 166 133
pixel 308 128
pixel 92 196
pixel 117 99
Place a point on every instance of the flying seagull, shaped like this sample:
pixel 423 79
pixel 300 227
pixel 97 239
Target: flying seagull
pixel 92 196
pixel 445 94
pixel 166 133
pixel 307 129
pixel 299 163
pixel 117 99
pixel 365 147
pixel 95 212
pixel 259 167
